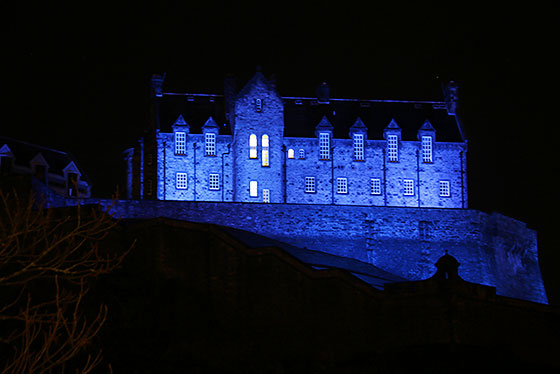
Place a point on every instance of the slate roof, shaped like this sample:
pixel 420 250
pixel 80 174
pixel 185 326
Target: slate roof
pixel 24 152
pixel 369 273
pixel 303 114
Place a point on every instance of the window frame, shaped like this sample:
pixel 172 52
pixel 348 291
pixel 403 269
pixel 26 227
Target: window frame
pixel 408 187
pixel 358 145
pixel 427 149
pixel 253 189
pixel 291 153
pixel 214 181
pixel 324 146
pixel 342 186
pixel 253 143
pixel 392 148
pixel 375 185
pixel 181 181
pixel 180 143
pixel 266 195
pixel 265 150
pixel 310 185
pixel 444 188
pixel 210 144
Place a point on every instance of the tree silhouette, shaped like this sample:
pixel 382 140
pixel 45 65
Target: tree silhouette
pixel 49 259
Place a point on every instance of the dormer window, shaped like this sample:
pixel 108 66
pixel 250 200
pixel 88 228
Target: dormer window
pixel 258 105
pixel 358 147
pixel 324 146
pixel 210 144
pixel 265 153
pixel 393 148
pixel 253 146
pixel 426 149
pixel 180 143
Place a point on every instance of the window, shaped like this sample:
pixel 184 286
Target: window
pixel 301 154
pixel 210 144
pixel 290 153
pixel 265 151
pixel 180 143
pixel 444 189
pixel 266 195
pixel 214 182
pixel 181 181
pixel 341 185
pixel 310 184
pixel 258 105
pixel 253 146
pixel 253 191
pixel 359 147
pixel 324 145
pixel 376 186
pixel 393 148
pixel 426 149
pixel 409 187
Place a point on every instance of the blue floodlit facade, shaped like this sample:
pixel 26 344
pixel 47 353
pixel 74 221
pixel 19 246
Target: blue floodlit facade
pixel 380 181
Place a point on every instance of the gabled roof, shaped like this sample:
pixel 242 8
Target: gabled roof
pixel 257 80
pixel 57 161
pixel 303 114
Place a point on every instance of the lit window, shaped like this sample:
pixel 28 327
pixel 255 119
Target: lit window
pixel 309 184
pixel 393 148
pixel 324 146
pixel 376 186
pixel 210 144
pixel 426 149
pixel 359 147
pixel 301 154
pixel 253 146
pixel 341 185
pixel 409 187
pixel 181 180
pixel 444 189
pixel 180 143
pixel 258 105
pixel 290 153
pixel 214 181
pixel 253 192
pixel 265 151
pixel 266 195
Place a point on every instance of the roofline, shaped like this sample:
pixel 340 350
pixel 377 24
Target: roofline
pixel 314 98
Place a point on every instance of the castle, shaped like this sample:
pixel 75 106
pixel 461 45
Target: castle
pixel 303 150
pixel 379 181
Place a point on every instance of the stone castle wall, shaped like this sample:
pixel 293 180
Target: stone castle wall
pixel 492 249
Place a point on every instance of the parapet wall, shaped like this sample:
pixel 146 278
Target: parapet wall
pixel 493 249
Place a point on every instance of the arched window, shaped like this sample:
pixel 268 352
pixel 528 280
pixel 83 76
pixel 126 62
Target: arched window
pixel 290 153
pixel 253 146
pixel 301 154
pixel 265 150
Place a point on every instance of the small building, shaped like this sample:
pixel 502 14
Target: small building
pixel 57 171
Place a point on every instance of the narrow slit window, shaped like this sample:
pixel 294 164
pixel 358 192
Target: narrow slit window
pixel 265 151
pixel 266 195
pixel 301 154
pixel 253 146
pixel 324 146
pixel 393 148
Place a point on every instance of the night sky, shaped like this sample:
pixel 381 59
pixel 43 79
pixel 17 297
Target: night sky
pixel 78 80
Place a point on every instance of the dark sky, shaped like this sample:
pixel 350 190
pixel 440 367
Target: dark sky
pixel 77 79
